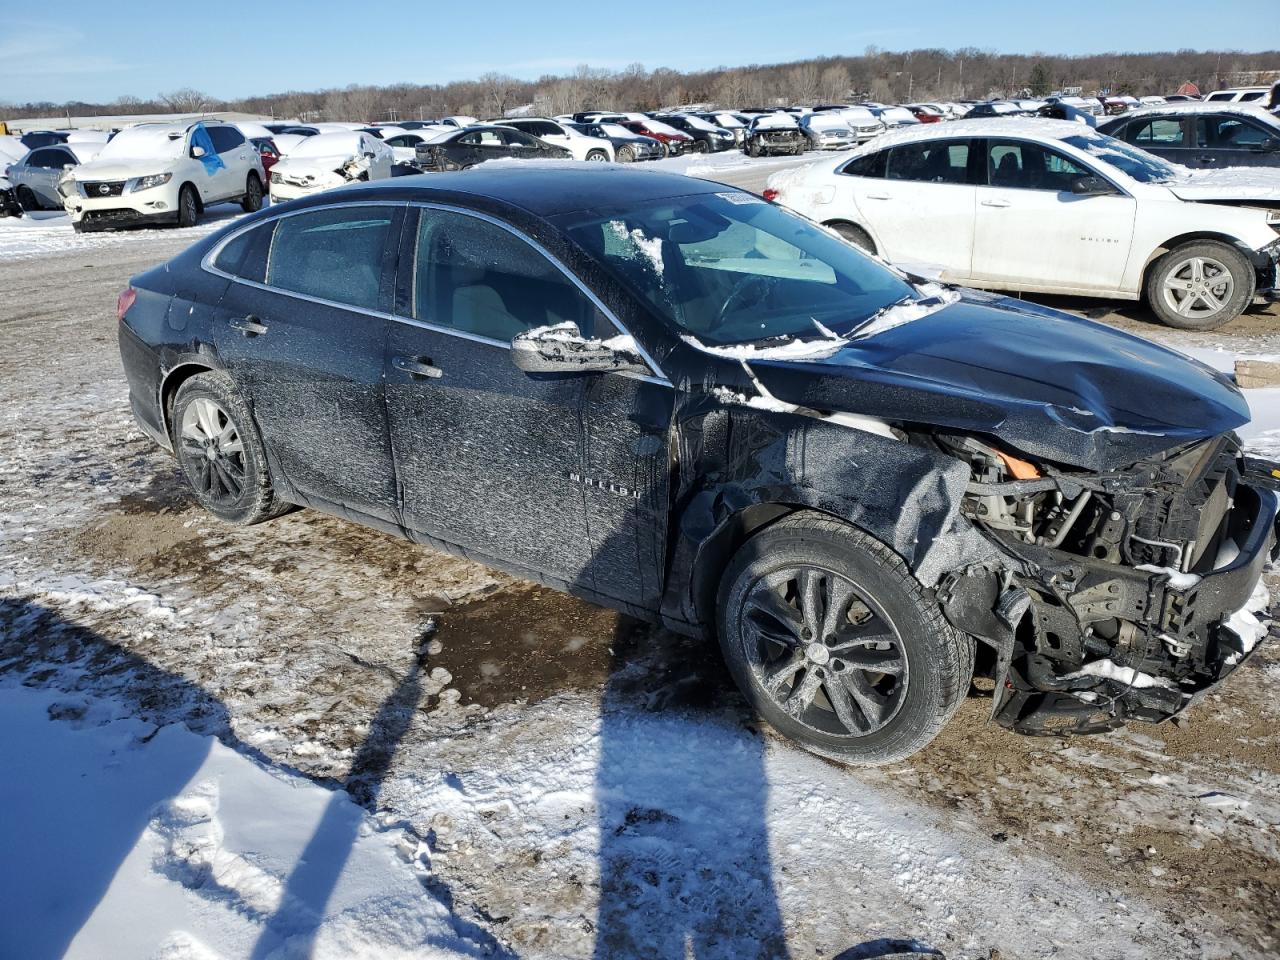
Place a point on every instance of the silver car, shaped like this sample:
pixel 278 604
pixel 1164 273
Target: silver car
pixel 35 177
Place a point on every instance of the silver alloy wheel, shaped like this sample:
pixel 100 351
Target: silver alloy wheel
pixel 826 655
pixel 598 156
pixel 212 451
pixel 1198 287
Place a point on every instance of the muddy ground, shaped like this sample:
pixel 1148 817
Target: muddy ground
pixel 292 638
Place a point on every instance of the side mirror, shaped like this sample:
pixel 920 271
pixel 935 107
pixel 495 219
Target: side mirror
pixel 1269 146
pixel 563 349
pixel 1091 187
pixel 197 152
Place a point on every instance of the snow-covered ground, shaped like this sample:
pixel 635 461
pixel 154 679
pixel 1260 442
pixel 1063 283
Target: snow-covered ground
pixel 309 739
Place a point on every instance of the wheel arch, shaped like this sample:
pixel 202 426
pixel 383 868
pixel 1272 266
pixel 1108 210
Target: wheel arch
pixel 1190 237
pixel 846 221
pixel 173 379
pixel 718 548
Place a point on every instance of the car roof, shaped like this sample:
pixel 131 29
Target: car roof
pixel 542 187
pixel 1033 128
pixel 1247 108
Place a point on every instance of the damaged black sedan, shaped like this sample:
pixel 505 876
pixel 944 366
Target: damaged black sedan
pixel 671 398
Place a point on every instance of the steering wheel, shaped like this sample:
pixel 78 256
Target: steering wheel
pixel 750 289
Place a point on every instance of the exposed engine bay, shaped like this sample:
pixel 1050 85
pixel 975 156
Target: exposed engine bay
pixel 1127 594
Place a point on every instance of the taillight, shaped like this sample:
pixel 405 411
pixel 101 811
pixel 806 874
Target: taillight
pixel 770 194
pixel 125 301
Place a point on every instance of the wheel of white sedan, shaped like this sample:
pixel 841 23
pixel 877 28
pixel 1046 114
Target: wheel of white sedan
pixel 836 645
pixel 1200 285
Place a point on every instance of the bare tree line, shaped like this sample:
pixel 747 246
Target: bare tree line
pixel 928 74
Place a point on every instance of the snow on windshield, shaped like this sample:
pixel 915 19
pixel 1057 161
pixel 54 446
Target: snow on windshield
pixel 164 143
pixel 774 121
pixel 613 130
pixel 1138 164
pixel 699 124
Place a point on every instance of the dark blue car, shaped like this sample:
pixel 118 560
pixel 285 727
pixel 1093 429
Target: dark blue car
pixel 672 398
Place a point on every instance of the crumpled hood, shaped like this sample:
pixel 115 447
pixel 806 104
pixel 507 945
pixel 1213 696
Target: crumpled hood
pixel 315 166
pixel 1237 183
pixel 1053 385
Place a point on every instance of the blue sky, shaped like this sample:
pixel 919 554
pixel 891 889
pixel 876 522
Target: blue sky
pixel 90 50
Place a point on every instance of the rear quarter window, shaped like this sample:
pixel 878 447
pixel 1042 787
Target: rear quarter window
pixel 332 254
pixel 872 165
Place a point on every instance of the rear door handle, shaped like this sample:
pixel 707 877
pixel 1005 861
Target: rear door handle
pixel 417 367
pixel 995 203
pixel 1206 158
pixel 877 196
pixel 249 326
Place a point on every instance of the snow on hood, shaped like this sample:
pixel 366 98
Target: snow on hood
pixel 1235 183
pixel 774 121
pixel 11 150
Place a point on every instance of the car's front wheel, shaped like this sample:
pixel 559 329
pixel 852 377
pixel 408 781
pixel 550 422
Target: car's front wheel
pixel 27 199
pixel 598 156
pixel 625 154
pixel 221 453
pixel 252 199
pixel 188 206
pixel 836 645
pixel 1200 285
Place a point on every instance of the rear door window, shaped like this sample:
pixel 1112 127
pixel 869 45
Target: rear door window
pixel 225 139
pixel 338 254
pixel 872 165
pixel 932 161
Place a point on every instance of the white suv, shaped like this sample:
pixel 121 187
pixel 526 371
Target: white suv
pixel 163 173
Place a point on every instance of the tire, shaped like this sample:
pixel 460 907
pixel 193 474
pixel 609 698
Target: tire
pixel 1200 285
pixel 752 149
pixel 28 200
pixel 597 156
pixel 625 154
pixel 233 482
pixel 252 199
pixel 188 206
pixel 835 706
pixel 699 146
pixel 855 235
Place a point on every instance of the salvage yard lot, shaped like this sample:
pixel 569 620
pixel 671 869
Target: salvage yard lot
pixel 567 780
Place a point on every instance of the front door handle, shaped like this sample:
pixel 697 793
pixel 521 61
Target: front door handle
pixel 417 367
pixel 996 203
pixel 249 326
pixel 1206 158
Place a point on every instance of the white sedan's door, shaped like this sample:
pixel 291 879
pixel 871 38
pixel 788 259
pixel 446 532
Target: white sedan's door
pixel 920 207
pixel 1033 232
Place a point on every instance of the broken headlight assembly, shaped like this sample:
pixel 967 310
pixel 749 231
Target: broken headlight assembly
pixel 1120 589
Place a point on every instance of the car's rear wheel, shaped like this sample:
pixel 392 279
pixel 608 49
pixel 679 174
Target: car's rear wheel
pixel 855 235
pixel 27 199
pixel 252 199
pixel 221 453
pixel 836 645
pixel 1200 285
pixel 188 206
pixel 598 156
pixel 625 154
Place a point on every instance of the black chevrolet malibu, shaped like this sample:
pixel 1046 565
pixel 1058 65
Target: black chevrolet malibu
pixel 672 398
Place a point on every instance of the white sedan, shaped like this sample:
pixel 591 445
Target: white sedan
pixel 330 160
pixel 1052 207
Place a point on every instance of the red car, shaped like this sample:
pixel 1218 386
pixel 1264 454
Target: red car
pixel 671 138
pixel 925 115
pixel 269 153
